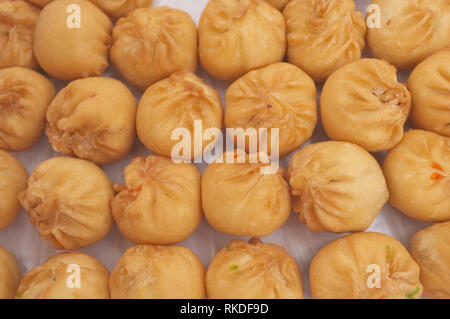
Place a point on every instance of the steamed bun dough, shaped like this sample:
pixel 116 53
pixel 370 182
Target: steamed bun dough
pixel 363 103
pixel 277 96
pixel 430 247
pixel 418 176
pixel 13 180
pixel 429 85
pixel 410 30
pixel 72 53
pixel 24 98
pixel 337 187
pixel 173 103
pixel 345 269
pixel 94 119
pixel 10 274
pixel 18 19
pixel 323 35
pixel 54 278
pixel 150 44
pixel 67 200
pixel 237 36
pixel 158 272
pixel 159 202
pixel 253 271
pixel 240 200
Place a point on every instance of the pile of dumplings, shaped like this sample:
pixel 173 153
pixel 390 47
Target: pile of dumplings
pixel 294 65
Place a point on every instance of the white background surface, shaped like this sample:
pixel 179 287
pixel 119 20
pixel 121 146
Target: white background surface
pixel 23 240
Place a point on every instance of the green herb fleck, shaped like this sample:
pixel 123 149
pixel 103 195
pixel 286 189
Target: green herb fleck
pixel 234 267
pixel 227 247
pixel 18 294
pixel 388 250
pixel 413 293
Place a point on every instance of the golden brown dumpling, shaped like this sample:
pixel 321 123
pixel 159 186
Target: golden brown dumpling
pixel 40 3
pixel 57 279
pixel 279 4
pixel 410 30
pixel 363 103
pixel 24 98
pixel 323 35
pixel 10 274
pixel 67 199
pixel 176 102
pixel 17 22
pixel 94 119
pixel 430 247
pixel 237 36
pixel 150 44
pixel 277 96
pixel 13 180
pixel 239 199
pixel 158 272
pixel 253 271
pixel 114 8
pixel 119 8
pixel 337 187
pixel 364 266
pixel 418 176
pixel 159 202
pixel 68 52
pixel 429 85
